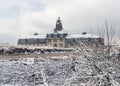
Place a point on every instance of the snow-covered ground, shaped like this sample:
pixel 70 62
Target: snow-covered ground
pixel 67 71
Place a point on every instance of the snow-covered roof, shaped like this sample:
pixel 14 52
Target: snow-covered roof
pixel 82 36
pixel 43 36
pixel 62 31
pixel 68 36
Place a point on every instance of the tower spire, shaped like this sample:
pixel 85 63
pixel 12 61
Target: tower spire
pixel 58 26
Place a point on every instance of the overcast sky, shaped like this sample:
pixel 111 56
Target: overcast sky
pixel 24 17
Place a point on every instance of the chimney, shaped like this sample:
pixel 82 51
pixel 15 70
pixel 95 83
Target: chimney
pixel 35 34
pixel 84 33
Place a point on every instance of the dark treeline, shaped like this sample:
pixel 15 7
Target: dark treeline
pixel 12 51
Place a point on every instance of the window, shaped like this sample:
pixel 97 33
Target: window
pixel 25 40
pixel 61 35
pixel 58 35
pixel 37 40
pixel 49 40
pixel 61 40
pixel 55 40
pixel 89 39
pixel 54 35
pixel 61 45
pixel 55 45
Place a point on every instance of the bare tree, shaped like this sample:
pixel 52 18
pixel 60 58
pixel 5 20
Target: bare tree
pixel 108 32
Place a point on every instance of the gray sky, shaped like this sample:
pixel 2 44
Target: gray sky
pixel 24 17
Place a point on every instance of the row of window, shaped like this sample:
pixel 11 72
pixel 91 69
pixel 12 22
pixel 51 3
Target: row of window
pixel 34 41
pixel 55 40
pixel 34 44
pixel 55 35
pixel 58 45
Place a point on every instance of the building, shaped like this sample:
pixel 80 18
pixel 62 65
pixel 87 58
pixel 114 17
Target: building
pixel 33 40
pixel 61 39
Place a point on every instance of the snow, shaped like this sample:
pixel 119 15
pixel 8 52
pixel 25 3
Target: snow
pixel 64 71
pixel 62 31
pixel 88 69
pixel 28 61
pixel 82 36
pixel 42 36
